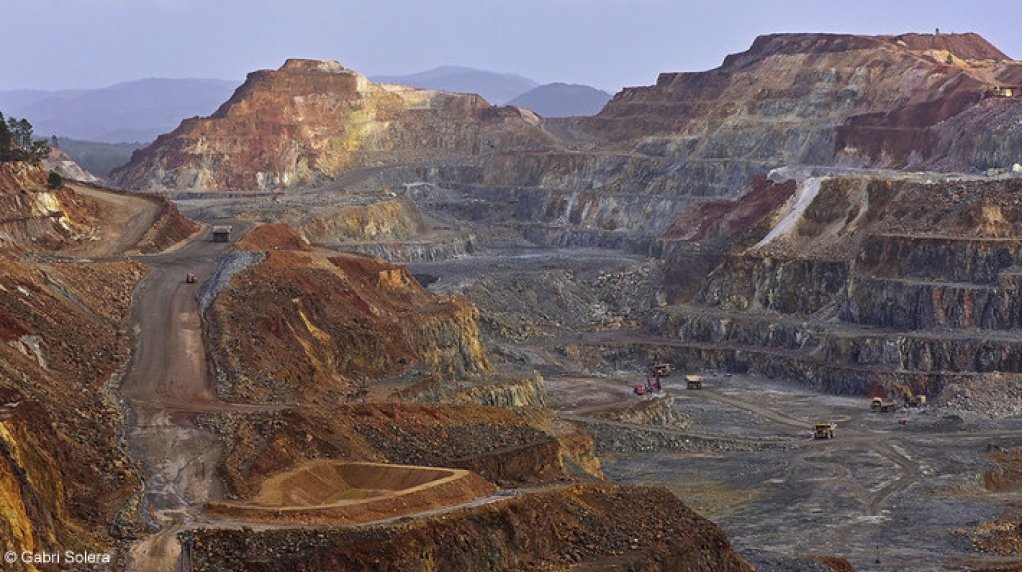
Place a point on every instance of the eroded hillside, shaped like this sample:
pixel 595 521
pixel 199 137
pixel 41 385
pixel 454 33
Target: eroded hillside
pixel 66 481
pixel 310 121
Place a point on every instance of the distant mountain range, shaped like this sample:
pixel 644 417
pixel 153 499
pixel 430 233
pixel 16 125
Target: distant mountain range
pixel 563 100
pixel 139 111
pixel 497 88
pixel 135 111
pixel 550 100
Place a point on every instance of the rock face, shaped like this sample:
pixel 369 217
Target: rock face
pixel 310 121
pixel 621 178
pixel 812 99
pixel 864 286
pixel 64 477
pixel 33 216
pixel 66 167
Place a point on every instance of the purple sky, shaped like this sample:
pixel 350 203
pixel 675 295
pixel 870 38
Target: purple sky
pixel 52 44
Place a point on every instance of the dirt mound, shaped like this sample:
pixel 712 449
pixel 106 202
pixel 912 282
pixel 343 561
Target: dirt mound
pixel 334 321
pixel 277 236
pixel 1007 476
pixel 169 228
pixel 581 527
pixel 342 491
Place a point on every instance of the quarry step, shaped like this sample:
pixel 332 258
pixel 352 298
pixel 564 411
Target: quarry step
pixel 793 366
pixel 936 349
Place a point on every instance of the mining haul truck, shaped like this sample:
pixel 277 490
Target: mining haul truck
pixel 824 430
pixel 883 404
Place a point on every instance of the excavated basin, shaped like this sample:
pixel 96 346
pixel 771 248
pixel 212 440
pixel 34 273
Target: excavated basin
pixel 357 491
pixel 322 483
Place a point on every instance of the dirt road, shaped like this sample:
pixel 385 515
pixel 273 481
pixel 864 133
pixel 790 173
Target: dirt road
pixel 126 220
pixel 166 384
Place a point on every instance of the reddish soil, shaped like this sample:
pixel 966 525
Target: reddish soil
pixel 63 475
pixel 722 219
pixel 277 236
pixel 337 319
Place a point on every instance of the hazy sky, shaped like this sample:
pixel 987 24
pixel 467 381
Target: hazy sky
pixel 54 44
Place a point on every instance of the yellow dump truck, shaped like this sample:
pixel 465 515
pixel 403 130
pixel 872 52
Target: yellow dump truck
pixel 883 404
pixel 824 430
pixel 694 381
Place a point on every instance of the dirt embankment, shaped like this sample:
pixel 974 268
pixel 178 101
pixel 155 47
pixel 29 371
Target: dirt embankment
pixel 338 320
pixel 587 527
pixel 63 475
pixel 276 236
pixel 169 228
pixel 499 444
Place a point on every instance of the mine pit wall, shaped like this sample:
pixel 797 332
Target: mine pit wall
pixel 789 367
pixel 900 282
pixel 434 250
pixel 575 199
pixel 787 286
pixel 951 259
pixel 913 305
pixel 913 352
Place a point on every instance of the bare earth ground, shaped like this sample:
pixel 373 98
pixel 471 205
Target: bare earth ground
pixel 885 495
pixel 127 219
pixel 902 488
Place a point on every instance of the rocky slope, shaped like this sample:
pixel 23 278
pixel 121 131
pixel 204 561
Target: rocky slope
pixel 290 304
pixel 620 178
pixel 856 285
pixel 812 98
pixel 64 477
pixel 34 216
pixel 581 528
pixel 63 165
pixel 353 330
pixel 310 121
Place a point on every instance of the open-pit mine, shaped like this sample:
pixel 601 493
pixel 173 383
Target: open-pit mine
pixel 762 317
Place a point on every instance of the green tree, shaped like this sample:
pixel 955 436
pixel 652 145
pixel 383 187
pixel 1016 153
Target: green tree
pixel 6 140
pixel 950 59
pixel 17 144
pixel 55 181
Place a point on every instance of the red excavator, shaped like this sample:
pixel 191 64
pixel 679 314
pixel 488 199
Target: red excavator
pixel 652 383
